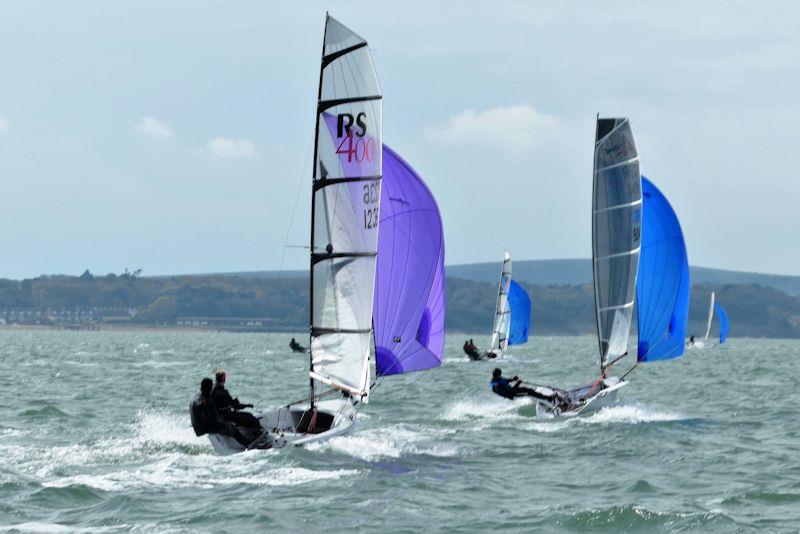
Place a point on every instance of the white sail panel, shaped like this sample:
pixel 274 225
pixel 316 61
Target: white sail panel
pixel 616 234
pixel 710 315
pixel 346 202
pixel 502 311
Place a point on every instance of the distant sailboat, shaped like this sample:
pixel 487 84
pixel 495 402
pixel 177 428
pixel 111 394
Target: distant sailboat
pixel 616 245
pixel 710 317
pixel 346 196
pixel 724 323
pixel 512 316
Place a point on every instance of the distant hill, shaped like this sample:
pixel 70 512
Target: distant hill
pixel 253 302
pixel 579 271
pixel 570 272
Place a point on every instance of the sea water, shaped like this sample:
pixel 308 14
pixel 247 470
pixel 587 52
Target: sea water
pixel 95 437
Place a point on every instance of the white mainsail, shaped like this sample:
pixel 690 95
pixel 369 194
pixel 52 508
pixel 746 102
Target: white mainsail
pixel 345 206
pixel 616 234
pixel 710 316
pixel 502 311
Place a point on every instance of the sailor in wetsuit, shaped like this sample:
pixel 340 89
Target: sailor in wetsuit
pixel 512 389
pixel 229 407
pixel 203 413
pixel 296 347
pixel 471 350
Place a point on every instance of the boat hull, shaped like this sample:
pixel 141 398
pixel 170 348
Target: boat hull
pixel 292 427
pixel 591 404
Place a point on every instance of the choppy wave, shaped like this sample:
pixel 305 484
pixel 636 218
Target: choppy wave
pixel 170 472
pixel 389 442
pixel 492 407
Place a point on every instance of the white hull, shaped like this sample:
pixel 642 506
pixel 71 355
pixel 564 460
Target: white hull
pixel 583 404
pixel 286 427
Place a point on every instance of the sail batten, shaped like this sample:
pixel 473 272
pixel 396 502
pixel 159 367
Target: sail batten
pixel 616 234
pixel 345 206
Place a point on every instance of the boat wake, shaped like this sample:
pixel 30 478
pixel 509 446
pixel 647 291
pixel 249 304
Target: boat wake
pixel 158 450
pixel 389 442
pixel 631 414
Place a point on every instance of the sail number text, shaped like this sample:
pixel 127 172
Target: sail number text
pixel 372 194
pixel 353 133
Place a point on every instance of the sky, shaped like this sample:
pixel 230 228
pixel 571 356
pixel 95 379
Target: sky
pixel 174 137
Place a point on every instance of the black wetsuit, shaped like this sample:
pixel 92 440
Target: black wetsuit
pixel 296 347
pixel 472 351
pixel 504 388
pixel 228 406
pixel 203 413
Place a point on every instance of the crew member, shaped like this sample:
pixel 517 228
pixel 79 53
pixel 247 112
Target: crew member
pixel 512 389
pixel 203 413
pixel 229 407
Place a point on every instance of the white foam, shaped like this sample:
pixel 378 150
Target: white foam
pixel 39 526
pixel 630 414
pixel 169 473
pixel 493 408
pixel 388 442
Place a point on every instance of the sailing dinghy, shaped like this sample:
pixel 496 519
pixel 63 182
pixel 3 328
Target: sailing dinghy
pixel 345 202
pixel 512 316
pixel 724 323
pixel 662 293
pixel 616 245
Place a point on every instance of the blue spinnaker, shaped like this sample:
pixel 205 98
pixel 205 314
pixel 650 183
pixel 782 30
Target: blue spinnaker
pixel 662 288
pixel 520 305
pixel 724 323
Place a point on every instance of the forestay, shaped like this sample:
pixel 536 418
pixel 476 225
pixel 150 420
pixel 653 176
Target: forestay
pixel 724 323
pixel 616 234
pixel 409 284
pixel 345 210
pixel 502 314
pixel 519 304
pixel 662 288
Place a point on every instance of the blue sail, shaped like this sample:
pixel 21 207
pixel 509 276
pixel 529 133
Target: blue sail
pixel 662 288
pixel 520 305
pixel 724 323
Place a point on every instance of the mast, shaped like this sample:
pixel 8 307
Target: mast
pixel 710 316
pixel 616 235
pixel 313 211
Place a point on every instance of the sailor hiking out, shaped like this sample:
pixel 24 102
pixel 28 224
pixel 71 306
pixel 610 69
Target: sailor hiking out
pixel 512 388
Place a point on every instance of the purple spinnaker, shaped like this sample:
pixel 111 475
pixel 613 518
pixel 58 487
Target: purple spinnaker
pixel 409 307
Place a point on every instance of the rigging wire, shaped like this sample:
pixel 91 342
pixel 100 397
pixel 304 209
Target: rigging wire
pixel 294 209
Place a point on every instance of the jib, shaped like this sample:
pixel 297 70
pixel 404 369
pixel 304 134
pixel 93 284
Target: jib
pixel 344 121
